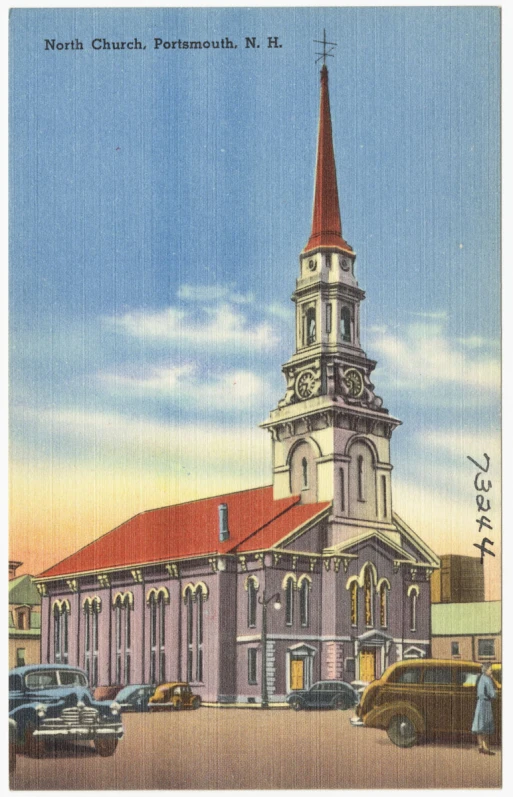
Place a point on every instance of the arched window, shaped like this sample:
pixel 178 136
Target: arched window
pixel 199 634
pixel 367 585
pixel 92 607
pixel 310 326
pixel 157 601
pixel 195 596
pixel 189 599
pixel 360 478
pixel 383 606
pixel 414 596
pixel 354 603
pixel 289 601
pixel 304 603
pixel 342 491
pixel 252 602
pixel 123 636
pixel 304 469
pixel 345 324
pixel 384 495
pixel 61 611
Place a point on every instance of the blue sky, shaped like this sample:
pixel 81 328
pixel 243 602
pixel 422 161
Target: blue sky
pixel 159 201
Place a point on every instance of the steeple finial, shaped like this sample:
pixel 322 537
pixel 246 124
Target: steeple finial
pixel 326 224
pixel 325 52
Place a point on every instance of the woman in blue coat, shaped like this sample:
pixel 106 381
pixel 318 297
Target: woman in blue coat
pixel 483 725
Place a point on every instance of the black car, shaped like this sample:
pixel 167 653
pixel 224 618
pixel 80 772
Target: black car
pixel 52 701
pixel 324 694
pixel 135 697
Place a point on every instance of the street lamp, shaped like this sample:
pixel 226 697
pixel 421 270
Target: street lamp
pixel 264 602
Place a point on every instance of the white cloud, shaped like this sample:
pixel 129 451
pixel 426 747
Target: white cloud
pixel 213 293
pixel 220 327
pixel 227 391
pixel 422 356
pixel 191 445
pixel 280 311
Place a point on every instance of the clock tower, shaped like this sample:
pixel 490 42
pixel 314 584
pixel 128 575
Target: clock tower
pixel 330 432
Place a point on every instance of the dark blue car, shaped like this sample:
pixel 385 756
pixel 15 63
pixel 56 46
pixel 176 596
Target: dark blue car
pixel 135 697
pixel 53 701
pixel 324 694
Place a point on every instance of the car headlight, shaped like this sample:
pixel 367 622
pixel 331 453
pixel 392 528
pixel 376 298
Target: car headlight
pixel 115 708
pixel 41 710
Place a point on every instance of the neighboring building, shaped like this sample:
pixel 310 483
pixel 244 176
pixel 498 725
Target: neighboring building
pixel 468 631
pixel 460 579
pixel 187 591
pixel 24 621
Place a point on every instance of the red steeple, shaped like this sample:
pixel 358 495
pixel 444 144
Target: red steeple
pixel 326 225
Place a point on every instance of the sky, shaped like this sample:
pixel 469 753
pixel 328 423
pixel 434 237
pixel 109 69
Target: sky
pixel 159 200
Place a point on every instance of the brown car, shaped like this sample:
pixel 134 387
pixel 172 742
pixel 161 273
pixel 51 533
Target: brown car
pixel 175 696
pixel 419 698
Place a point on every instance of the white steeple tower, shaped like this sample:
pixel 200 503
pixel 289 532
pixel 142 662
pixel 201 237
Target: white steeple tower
pixel 331 435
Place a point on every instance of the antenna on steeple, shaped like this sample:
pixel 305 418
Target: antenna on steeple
pixel 325 53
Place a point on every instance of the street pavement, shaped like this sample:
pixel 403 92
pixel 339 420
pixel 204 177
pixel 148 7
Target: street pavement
pixel 215 748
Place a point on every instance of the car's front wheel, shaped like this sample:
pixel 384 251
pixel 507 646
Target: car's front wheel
pixel 296 704
pixel 401 731
pixel 105 747
pixel 33 746
pixel 196 702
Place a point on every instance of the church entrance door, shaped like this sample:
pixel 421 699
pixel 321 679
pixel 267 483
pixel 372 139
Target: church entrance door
pixel 297 674
pixel 367 665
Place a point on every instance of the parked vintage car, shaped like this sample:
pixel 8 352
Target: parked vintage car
pixel 53 701
pixel 135 697
pixel 422 698
pixel 107 692
pixel 324 694
pixel 174 696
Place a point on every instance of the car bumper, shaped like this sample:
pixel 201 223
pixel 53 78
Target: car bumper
pixel 79 732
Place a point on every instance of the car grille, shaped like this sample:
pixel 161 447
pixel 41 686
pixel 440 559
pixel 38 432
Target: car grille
pixel 79 716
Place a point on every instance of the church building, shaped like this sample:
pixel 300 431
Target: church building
pixel 251 595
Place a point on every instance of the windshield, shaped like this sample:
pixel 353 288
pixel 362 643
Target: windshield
pixel 50 679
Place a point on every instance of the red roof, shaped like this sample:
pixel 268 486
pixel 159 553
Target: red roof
pixel 326 224
pixel 255 522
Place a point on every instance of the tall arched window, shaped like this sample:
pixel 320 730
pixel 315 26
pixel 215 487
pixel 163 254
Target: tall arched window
pixel 413 593
pixel 61 610
pixel 360 478
pixel 367 585
pixel 195 597
pixel 310 326
pixel 92 608
pixel 252 601
pixel 304 602
pixel 342 490
pixel 384 495
pixel 123 636
pixel 189 602
pixel 304 469
pixel 354 603
pixel 199 634
pixel 289 601
pixel 383 605
pixel 345 324
pixel 157 601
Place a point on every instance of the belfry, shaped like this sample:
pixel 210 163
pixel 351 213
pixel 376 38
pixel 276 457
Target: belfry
pixel 330 431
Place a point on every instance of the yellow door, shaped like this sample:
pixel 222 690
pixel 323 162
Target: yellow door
pixel 296 674
pixel 367 665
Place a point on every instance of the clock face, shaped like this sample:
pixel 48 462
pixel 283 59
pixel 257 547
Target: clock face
pixel 312 265
pixel 344 264
pixel 354 382
pixel 305 384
